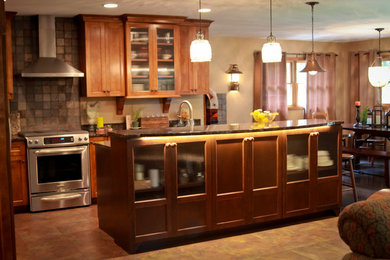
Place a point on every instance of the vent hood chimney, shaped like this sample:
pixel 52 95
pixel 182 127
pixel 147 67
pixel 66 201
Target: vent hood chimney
pixel 47 64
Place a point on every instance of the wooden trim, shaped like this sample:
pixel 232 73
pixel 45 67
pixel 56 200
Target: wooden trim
pixel 7 231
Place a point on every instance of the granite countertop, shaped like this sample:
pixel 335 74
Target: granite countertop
pixel 17 138
pixel 225 129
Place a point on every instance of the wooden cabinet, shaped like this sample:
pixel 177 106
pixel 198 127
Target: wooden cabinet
pixel 313 171
pixel 171 186
pixel 8 54
pixel 19 174
pixel 92 163
pixel 194 75
pixel 152 52
pixel 248 179
pixel 102 56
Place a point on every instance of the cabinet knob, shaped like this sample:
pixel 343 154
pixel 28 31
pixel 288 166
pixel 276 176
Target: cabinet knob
pixel 108 91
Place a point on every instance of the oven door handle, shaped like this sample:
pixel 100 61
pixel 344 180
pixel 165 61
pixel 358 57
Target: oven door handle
pixel 62 197
pixel 59 150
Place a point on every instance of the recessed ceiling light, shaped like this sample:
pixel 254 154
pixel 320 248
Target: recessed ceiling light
pixel 204 10
pixel 110 5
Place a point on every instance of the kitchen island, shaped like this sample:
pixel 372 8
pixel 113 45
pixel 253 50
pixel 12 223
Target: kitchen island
pixel 157 184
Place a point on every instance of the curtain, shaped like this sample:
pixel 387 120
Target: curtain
pixel 270 91
pixel 359 86
pixel 321 88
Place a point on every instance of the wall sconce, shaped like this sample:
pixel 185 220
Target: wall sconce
pixel 234 77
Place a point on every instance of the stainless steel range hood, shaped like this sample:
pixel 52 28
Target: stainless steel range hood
pixel 47 64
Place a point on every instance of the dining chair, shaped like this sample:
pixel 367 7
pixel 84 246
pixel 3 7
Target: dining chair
pixel 319 114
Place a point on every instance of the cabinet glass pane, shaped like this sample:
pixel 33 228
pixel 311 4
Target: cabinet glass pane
pixel 297 157
pixel 149 179
pixel 190 168
pixel 327 155
pixel 139 59
pixel 165 57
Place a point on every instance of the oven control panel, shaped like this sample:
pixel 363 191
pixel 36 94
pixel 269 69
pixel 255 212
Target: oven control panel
pixel 57 140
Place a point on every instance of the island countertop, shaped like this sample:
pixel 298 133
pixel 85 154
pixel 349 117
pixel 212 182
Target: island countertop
pixel 225 128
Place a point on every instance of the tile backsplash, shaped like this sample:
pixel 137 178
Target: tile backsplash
pixel 45 103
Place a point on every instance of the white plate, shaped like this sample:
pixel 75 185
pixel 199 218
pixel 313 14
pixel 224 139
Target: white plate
pixel 325 163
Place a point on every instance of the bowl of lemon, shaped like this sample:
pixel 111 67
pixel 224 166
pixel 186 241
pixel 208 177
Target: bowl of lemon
pixel 263 117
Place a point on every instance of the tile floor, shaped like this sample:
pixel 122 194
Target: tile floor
pixel 74 234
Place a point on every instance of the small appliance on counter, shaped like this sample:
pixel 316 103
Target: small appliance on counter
pixel 58 169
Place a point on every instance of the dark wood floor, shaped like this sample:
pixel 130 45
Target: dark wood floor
pixel 74 234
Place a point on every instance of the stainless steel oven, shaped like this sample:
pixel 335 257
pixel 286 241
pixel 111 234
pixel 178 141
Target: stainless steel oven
pixel 58 169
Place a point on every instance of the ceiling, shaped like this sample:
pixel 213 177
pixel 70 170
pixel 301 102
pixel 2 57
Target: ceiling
pixel 335 20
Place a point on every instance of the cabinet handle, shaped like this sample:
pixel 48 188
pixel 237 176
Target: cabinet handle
pixel 170 144
pixel 247 139
pixel 108 91
pixel 314 133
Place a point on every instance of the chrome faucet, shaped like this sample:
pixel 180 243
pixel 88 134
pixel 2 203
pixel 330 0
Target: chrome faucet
pixel 191 120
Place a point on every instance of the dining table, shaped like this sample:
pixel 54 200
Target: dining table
pixel 370 130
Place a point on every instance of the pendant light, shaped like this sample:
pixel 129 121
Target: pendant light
pixel 312 65
pixel 271 51
pixel 200 49
pixel 378 75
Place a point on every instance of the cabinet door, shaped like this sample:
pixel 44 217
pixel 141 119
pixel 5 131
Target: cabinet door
pixel 152 189
pixel 104 58
pixel 328 184
pixel 230 204
pixel 138 59
pixel 114 59
pixel 19 182
pixel 266 182
pixel 298 176
pixel 194 75
pixel 167 38
pixel 19 174
pixel 192 180
pixel 95 56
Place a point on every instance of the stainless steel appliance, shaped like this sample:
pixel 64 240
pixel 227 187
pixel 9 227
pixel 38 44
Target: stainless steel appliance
pixel 58 169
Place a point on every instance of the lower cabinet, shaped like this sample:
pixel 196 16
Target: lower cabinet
pixel 165 187
pixel 92 163
pixel 19 174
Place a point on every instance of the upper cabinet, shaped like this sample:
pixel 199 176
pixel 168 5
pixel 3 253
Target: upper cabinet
pixel 152 60
pixel 8 54
pixel 141 56
pixel 194 75
pixel 102 56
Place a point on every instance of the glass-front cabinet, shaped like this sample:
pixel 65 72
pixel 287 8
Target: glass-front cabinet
pixel 169 175
pixel 152 59
pixel 298 174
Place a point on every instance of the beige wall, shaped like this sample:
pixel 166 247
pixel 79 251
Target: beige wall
pixel 229 50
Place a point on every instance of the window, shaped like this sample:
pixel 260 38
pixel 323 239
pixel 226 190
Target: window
pixel 296 83
pixel 386 89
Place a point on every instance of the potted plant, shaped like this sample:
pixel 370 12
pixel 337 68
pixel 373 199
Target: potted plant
pixel 135 116
pixel 363 115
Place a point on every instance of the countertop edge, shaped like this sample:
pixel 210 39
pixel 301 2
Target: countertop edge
pixel 223 129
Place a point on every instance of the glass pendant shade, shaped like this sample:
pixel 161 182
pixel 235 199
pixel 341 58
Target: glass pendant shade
pixel 312 65
pixel 271 51
pixel 200 49
pixel 378 76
